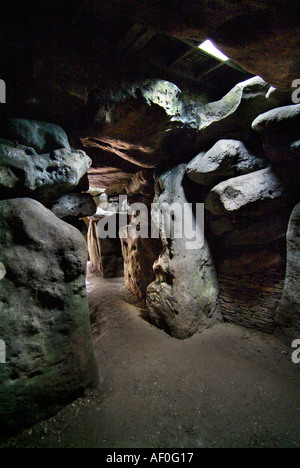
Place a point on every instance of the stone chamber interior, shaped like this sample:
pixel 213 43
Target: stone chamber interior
pixel 143 342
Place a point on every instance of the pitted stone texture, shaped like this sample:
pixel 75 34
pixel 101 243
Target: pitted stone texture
pixel 44 177
pixel 44 316
pixel 184 297
pixel 280 130
pixel 139 257
pixel 226 159
pixel 172 126
pixel 232 116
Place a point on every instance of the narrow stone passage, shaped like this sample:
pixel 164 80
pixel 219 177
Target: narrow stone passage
pixel 226 387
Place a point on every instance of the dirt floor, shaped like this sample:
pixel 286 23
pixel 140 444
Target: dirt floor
pixel 227 387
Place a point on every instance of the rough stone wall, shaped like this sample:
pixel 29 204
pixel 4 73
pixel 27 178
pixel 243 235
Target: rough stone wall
pixel 247 221
pixel 249 193
pixel 139 257
pixel 44 316
pixel 248 183
pixel 252 300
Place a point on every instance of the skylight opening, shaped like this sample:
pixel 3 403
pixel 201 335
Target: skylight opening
pixel 211 49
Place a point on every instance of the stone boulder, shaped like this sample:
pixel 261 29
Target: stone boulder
pixel 184 297
pixel 139 257
pixel 74 206
pixel 232 116
pixel 43 137
pixel 257 193
pixel 44 177
pixel 226 159
pixel 285 120
pixel 288 313
pixel 44 316
pixel 280 131
pixel 155 123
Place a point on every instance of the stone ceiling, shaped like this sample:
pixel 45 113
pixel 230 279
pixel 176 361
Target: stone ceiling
pixel 63 60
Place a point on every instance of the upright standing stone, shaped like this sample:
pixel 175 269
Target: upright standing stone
pixel 184 297
pixel 44 316
pixel 288 313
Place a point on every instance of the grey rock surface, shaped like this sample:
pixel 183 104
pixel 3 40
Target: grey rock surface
pixel 279 119
pixel 259 192
pixel 43 137
pixel 44 316
pixel 155 123
pixel 184 297
pixel 74 205
pixel 45 177
pixel 139 257
pixel 232 116
pixel 226 159
pixel 280 131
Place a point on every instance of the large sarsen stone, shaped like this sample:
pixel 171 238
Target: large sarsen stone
pixel 184 297
pixel 259 193
pixel 226 159
pixel 45 177
pixel 43 137
pixel 44 317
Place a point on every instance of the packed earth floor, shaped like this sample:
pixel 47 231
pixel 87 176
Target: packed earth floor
pixel 226 387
